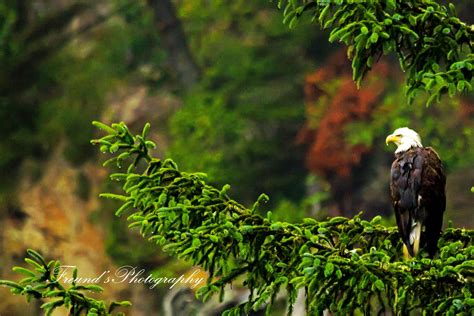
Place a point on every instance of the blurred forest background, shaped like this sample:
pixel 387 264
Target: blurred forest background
pixel 229 90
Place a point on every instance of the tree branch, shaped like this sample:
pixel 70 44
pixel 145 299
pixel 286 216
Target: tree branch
pixel 433 45
pixel 202 224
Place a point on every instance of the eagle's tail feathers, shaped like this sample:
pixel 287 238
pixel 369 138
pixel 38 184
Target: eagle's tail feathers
pixel 413 246
pixel 417 233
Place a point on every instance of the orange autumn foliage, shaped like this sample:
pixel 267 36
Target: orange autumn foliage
pixel 329 154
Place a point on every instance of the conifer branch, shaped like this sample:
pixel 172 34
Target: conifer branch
pixel 43 282
pixel 344 264
pixel 433 45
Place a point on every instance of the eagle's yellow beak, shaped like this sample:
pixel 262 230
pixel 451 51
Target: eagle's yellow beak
pixel 391 139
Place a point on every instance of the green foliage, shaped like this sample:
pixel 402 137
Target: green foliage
pixel 245 109
pixel 54 81
pixel 43 282
pixel 212 137
pixel 345 265
pixel 7 25
pixel 434 47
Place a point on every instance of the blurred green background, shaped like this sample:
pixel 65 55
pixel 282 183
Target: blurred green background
pixel 230 91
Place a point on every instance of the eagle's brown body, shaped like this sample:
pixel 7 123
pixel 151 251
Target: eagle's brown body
pixel 417 189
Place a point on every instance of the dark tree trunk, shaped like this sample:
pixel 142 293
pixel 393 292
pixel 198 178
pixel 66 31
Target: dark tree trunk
pixel 22 15
pixel 174 41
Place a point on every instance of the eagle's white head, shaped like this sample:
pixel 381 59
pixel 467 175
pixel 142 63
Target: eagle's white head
pixel 404 138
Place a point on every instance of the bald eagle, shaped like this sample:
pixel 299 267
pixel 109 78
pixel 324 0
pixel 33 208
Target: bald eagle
pixel 417 189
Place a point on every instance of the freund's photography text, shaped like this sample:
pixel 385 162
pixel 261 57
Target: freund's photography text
pixel 132 275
